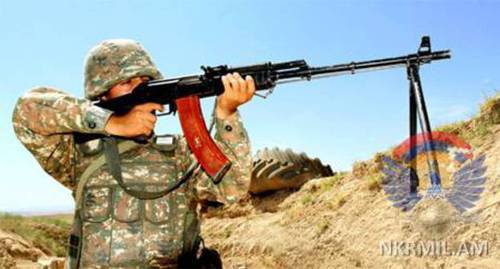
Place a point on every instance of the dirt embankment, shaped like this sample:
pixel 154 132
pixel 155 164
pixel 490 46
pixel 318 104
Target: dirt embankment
pixel 346 221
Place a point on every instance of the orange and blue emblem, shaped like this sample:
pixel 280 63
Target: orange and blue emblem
pixel 460 178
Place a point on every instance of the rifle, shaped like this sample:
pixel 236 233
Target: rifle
pixel 183 94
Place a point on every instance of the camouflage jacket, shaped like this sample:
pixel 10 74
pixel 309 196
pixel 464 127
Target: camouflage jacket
pixel 119 230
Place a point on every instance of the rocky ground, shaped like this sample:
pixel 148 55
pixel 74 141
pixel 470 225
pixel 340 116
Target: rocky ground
pixel 17 252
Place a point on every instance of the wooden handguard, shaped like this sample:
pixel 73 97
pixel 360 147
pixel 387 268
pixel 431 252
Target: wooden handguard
pixel 208 154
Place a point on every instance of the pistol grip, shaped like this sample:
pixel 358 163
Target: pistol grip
pixel 208 154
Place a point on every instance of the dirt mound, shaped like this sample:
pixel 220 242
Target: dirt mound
pixel 346 221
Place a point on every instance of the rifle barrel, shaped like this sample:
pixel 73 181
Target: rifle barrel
pixel 362 66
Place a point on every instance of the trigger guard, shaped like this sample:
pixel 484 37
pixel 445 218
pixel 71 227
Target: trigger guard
pixel 172 109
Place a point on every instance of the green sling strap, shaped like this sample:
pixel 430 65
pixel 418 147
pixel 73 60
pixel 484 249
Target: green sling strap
pixel 112 155
pixel 122 147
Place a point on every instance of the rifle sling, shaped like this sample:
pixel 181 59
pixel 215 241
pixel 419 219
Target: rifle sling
pixel 98 163
pixel 112 156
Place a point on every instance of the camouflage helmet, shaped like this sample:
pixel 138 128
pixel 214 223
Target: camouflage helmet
pixel 113 61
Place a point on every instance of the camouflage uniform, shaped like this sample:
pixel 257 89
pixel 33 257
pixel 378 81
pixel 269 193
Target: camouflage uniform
pixel 119 230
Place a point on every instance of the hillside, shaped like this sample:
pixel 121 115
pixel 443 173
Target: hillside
pixel 341 222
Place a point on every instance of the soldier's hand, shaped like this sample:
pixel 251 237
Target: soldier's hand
pixel 138 121
pixel 237 91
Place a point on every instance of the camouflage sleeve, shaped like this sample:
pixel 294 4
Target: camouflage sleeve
pixel 44 119
pixel 232 139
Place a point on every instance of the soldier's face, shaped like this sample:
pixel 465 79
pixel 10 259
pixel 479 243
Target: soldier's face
pixel 124 87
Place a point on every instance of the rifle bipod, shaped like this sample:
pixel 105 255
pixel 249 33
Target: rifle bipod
pixel 418 108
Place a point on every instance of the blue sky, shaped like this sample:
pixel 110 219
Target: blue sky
pixel 340 120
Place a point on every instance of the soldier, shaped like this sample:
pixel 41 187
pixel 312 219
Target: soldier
pixel 147 216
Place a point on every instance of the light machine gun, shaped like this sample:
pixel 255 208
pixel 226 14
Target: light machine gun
pixel 183 94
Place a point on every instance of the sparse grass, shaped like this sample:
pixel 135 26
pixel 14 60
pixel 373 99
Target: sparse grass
pixel 491 103
pixel 370 172
pixel 452 128
pixel 328 183
pixel 322 226
pixel 474 130
pixel 316 192
pixel 362 169
pixel 49 234
pixel 374 182
pixel 340 201
pixel 336 203
pixel 307 199
pixel 227 232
